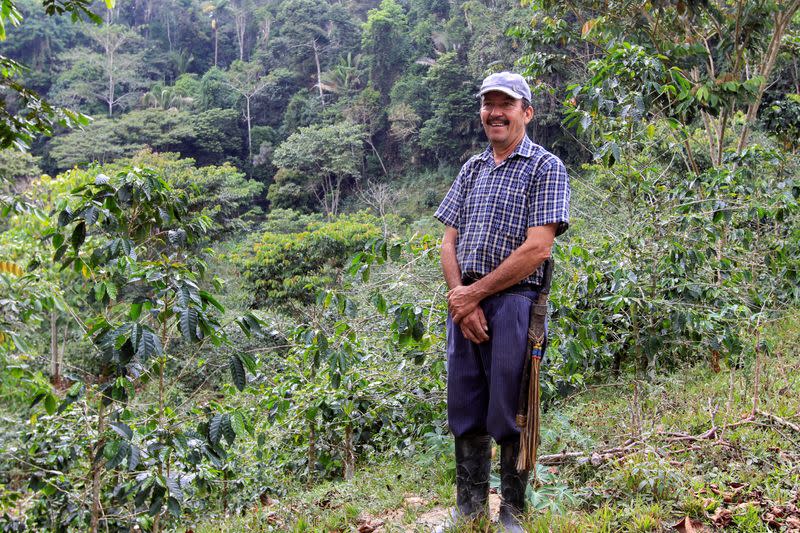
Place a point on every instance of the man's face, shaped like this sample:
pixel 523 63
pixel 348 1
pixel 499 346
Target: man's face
pixel 503 119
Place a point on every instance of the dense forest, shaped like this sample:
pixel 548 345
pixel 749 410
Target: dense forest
pixel 221 305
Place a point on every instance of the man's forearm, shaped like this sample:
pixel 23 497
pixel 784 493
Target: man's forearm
pixel 520 264
pixel 516 267
pixel 450 268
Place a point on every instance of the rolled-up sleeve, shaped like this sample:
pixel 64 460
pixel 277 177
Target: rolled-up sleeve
pixel 449 211
pixel 549 196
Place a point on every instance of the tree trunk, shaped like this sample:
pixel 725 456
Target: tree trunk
pixel 757 377
pixel 782 20
pixel 349 452
pixel 249 130
pixel 319 72
pixel 385 173
pixel 225 492
pixel 216 42
pixel 110 84
pixel 169 34
pixel 312 452
pixel 240 20
pixel 96 468
pixel 55 362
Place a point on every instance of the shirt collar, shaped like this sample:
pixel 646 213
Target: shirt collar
pixel 525 148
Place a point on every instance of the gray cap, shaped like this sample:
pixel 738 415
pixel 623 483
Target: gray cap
pixel 510 83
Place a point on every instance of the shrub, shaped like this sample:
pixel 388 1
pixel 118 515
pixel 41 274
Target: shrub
pixel 281 267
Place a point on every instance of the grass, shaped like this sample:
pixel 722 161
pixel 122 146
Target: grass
pixel 748 467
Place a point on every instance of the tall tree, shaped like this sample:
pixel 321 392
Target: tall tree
pixel 31 115
pixel 248 81
pixel 328 155
pixel 241 13
pixel 109 72
pixel 215 10
pixel 386 44
pixel 450 133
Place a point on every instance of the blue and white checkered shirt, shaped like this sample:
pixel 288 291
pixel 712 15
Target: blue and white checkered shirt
pixel 492 207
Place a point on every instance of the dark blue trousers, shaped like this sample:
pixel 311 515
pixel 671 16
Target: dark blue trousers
pixel 483 380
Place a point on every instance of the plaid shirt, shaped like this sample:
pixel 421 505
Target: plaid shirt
pixel 492 207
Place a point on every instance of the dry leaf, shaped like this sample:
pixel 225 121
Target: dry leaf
pixel 745 505
pixel 722 517
pixel 708 503
pixel 368 525
pixel 415 501
pixel 686 526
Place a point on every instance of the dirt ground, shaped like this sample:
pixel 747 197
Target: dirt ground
pixel 427 521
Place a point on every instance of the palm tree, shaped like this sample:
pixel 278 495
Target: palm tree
pixel 344 78
pixel 165 98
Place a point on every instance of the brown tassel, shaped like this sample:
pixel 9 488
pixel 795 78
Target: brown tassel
pixel 535 412
pixel 529 436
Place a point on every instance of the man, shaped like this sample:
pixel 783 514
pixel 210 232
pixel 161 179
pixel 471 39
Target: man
pixel 501 214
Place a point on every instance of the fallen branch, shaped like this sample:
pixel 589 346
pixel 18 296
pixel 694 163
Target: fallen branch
pixel 779 420
pixel 711 437
pixel 595 458
pixel 712 433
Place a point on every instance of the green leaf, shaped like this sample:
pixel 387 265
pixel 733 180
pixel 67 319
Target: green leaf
pixel 174 507
pixel 215 429
pixel 142 495
pixel 237 372
pixel 111 290
pixel 155 506
pixel 99 291
pixel 133 458
pixel 177 237
pixel 396 251
pixel 50 403
pixel 188 320
pixel 227 429
pixel 174 486
pixel 182 294
pixel 249 362
pixel 38 398
pixel 65 217
pixel 380 302
pixel 149 344
pixel 135 311
pixel 122 429
pixel 91 214
pixel 237 423
pixel 60 252
pixel 58 240
pixel 78 235
pixel 123 452
pixel 208 298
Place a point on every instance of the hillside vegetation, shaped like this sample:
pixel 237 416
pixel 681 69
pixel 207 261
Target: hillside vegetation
pixel 221 305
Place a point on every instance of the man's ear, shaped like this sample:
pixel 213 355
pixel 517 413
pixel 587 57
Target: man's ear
pixel 529 114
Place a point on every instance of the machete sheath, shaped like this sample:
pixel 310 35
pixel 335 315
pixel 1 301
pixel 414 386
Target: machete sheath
pixel 529 394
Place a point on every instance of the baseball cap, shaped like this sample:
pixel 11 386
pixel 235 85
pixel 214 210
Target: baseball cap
pixel 509 83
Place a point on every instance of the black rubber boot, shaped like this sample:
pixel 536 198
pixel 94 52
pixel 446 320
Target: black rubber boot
pixel 473 463
pixel 512 488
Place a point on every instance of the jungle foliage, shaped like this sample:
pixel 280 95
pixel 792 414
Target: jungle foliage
pixel 228 283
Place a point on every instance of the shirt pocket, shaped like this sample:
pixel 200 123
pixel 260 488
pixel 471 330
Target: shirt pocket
pixel 512 211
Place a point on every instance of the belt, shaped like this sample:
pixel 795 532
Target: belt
pixel 468 278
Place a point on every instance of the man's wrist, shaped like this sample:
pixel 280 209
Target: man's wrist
pixel 478 290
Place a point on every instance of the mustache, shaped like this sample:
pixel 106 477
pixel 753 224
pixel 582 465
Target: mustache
pixel 497 121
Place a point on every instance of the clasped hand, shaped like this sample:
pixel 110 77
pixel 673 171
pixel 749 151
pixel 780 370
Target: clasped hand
pixel 467 314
